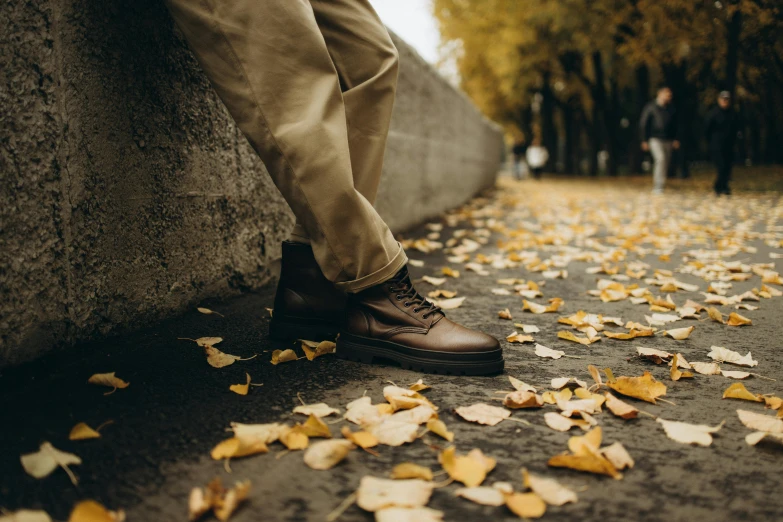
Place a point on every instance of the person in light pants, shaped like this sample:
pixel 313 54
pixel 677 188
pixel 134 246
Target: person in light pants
pixel 658 126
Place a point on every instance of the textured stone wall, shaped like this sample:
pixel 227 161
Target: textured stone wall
pixel 128 194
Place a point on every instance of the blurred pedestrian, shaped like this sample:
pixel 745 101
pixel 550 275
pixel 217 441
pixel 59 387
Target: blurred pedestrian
pixel 659 134
pixel 722 126
pixel 518 150
pixel 537 156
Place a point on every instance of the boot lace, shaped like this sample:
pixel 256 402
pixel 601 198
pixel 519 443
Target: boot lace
pixel 403 287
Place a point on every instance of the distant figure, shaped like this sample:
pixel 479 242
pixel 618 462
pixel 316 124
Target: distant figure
pixel 659 134
pixel 537 156
pixel 518 150
pixel 722 126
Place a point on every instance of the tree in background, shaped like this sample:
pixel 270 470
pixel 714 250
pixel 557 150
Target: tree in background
pixel 577 73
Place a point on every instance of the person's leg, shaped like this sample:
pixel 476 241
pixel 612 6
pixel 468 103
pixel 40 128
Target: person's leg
pixel 660 165
pixel 717 159
pixel 270 65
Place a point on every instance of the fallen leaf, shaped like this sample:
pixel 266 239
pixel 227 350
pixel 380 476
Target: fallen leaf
pixel 230 500
pixel 409 470
pixel 264 433
pixel 617 455
pixel 632 334
pixel 483 414
pixel 91 511
pixel 519 385
pixel 295 439
pixel 715 315
pixel 645 387
pixel 654 355
pixel 315 427
pixel 42 463
pixel 760 422
pixel 241 389
pixel 569 336
pixel 550 490
pixel 736 319
pixel 449 304
pixel 554 306
pixel 236 447
pixel 619 408
pixel 738 391
pixel 405 399
pixel 689 433
pixel 526 505
pixel 505 314
pixel 757 436
pixel 217 498
pixel 522 399
pixel 527 328
pixel 208 341
pixel 403 514
pixel 281 356
pixel 25 515
pixel 325 454
pixel 735 374
pixel 706 368
pixel 313 349
pixel 560 382
pixel 361 411
pixel 675 372
pixel 438 427
pixel 319 410
pixel 448 294
pixel 207 311
pixel 680 334
pixel 720 354
pixel 109 380
pixel 450 272
pixel 376 493
pixel 515 337
pixel 81 432
pixel 484 495
pixel 586 456
pixel 392 431
pixel 363 439
pixel 543 351
pixel 470 469
pixel 418 386
pixel 559 423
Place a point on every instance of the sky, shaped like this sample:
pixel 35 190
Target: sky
pixel 412 20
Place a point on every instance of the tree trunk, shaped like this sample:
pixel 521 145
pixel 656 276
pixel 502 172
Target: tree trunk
pixel 548 130
pixel 641 97
pixel 612 124
pixel 733 30
pixel 773 148
pixel 568 142
pixel 599 107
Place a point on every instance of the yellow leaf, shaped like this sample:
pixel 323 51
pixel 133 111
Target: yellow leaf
pixel 738 391
pixel 408 470
pixel 470 469
pixel 645 387
pixel 569 336
pixel 315 427
pixel 483 414
pixel 312 349
pixel 589 460
pixel 680 334
pixel 81 432
pixel 362 439
pixel 715 315
pixel 520 338
pixel 633 334
pixel 450 272
pixel 550 490
pixel 736 319
pixel 689 433
pixel 523 399
pixel 208 341
pixel 229 502
pixel 447 294
pixel 217 498
pixel 554 306
pixel 236 447
pixel 218 359
pixel 295 439
pixel 42 463
pixel 559 423
pixel 25 515
pixel 505 314
pixel 620 408
pixel 418 386
pixel 675 372
pixel 320 409
pixel 207 311
pixel 379 495
pixel 108 379
pixel 241 389
pixel 281 356
pixel 326 454
pixel 760 422
pixel 526 505
pixel 91 511
pixel 438 427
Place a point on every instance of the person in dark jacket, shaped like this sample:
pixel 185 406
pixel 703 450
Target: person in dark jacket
pixel 722 126
pixel 659 126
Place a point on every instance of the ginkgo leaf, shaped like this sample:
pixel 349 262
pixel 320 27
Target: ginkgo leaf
pixel 449 304
pixel 295 439
pixel 434 281
pixel 48 458
pixel 632 334
pixel 543 351
pixel 315 427
pixel 438 427
pixel 403 514
pixel 82 432
pixel 320 409
pixel 363 439
pixel 405 399
pixel 207 311
pixel 484 495
pixel 620 408
pixel 560 382
pixel 645 387
pixel 523 399
pixel 448 294
pixel 515 337
pixel 218 359
pixel 519 385
pixel 361 411
pixel 325 454
pixel 470 469
pixel 377 493
pixel 312 349
pixel 559 423
pixel 208 341
pixel 418 386
pixel 550 490
pixel 526 505
pixel 264 433
pixel 760 422
pixel 241 389
pixel 109 380
pixel 409 470
pixel 689 433
pixel 393 431
pixel 450 272
pixel 236 447
pixel 738 391
pixel 505 314
pixel 720 354
pixel 230 500
pixel 281 356
pixel 715 315
pixel 217 498
pixel 735 374
pixel 757 436
pixel 554 306
pixel 617 455
pixel 736 319
pixel 586 456
pixel 483 414
pixel 25 515
pixel 570 336
pixel 527 328
pixel 675 372
pixel 595 374
pixel 706 368
pixel 91 511
pixel 680 334
pixel 653 354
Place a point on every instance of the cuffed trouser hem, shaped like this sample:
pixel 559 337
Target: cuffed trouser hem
pixel 377 277
pixel 299 235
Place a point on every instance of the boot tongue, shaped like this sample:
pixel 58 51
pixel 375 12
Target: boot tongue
pixel 401 275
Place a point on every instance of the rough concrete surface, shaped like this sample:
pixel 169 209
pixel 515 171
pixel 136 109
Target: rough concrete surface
pixel 126 191
pixel 177 408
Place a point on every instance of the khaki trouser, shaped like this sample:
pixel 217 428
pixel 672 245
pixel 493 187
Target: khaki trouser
pixel 661 151
pixel 311 84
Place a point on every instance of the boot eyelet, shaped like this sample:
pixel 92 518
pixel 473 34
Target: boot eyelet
pixel 416 310
pixel 399 297
pixel 406 304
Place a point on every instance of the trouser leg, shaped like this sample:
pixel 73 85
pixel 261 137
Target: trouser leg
pixel 662 155
pixel 723 161
pixel 269 63
pixel 367 63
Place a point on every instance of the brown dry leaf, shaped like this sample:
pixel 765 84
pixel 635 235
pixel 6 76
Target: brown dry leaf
pixel 550 490
pixel 109 380
pixel 715 315
pixel 241 389
pixel 645 387
pixel 325 454
pixel 483 414
pixel 82 432
pixel 738 391
pixel 363 439
pixel 217 498
pixel 91 511
pixel 505 314
pixel 760 422
pixel 680 334
pixel 483 495
pixel 281 356
pixel 230 501
pixel 526 505
pixel 654 355
pixel 620 408
pixel 736 319
pixel 315 427
pixel 313 349
pixel 675 372
pixel 559 423
pixel 522 399
pixel 418 386
pixel 207 311
pixel 470 469
pixel 448 294
pixel 320 409
pixel 720 354
pixel 689 433
pixel 438 427
pixel 25 515
pixel 238 447
pixel 409 470
pixel 515 337
pixel 375 494
pixel 48 458
pixel 569 336
pixel 617 455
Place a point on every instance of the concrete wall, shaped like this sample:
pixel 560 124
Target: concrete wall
pixel 127 193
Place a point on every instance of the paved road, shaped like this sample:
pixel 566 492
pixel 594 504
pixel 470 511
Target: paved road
pixel 177 407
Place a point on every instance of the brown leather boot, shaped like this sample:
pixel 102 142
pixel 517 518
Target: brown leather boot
pixel 307 305
pixel 392 321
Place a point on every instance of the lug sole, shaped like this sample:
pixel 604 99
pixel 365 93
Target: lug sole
pixel 369 351
pixel 282 330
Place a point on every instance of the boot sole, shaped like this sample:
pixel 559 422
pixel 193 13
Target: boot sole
pixel 369 351
pixel 291 330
